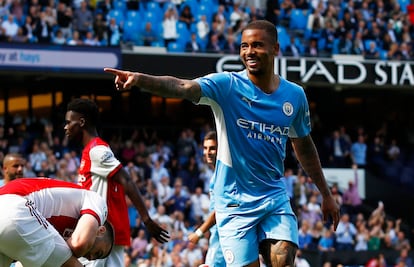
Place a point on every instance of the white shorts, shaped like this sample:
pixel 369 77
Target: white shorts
pixel 26 236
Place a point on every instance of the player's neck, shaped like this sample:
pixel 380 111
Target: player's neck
pixel 88 136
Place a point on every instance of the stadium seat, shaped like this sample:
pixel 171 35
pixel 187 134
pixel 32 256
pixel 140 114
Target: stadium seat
pixel 298 20
pixel 120 5
pixel 133 15
pixel 175 47
pixel 131 32
pixel 117 15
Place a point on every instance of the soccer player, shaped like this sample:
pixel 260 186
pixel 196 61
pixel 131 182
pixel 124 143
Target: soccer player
pixel 39 214
pixel 13 165
pixel 214 255
pixel 256 112
pixel 102 172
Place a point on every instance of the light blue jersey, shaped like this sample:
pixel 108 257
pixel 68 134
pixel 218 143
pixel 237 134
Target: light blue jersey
pixel 252 130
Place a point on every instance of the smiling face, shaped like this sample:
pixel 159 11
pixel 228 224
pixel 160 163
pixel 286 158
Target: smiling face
pixel 210 151
pixel 257 51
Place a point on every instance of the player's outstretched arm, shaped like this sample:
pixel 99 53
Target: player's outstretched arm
pixel 308 157
pixel 166 86
pixel 132 191
pixel 207 224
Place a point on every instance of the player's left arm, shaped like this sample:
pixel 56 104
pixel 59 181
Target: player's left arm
pixel 308 157
pixel 84 235
pixel 132 191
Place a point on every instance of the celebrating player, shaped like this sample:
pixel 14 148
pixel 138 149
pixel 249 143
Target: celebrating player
pixel 256 112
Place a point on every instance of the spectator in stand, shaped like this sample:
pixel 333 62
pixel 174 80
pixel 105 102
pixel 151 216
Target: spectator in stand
pixel 393 151
pixel 272 12
pixel 43 30
pixel 59 38
pixel 169 25
pixel 138 248
pixel 351 198
pixel 114 33
pixel 338 149
pixel 191 254
pixel 345 234
pixel 402 241
pixel 82 19
pixel 305 238
pixel 292 50
pixel 148 34
pixel 10 27
pixel 327 241
pixel 100 28
pixel 214 45
pixel 20 37
pixel 358 152
pixel 186 16
pixel 404 260
pixel 75 39
pixel 300 261
pixel 312 50
pixel 200 203
pixel 193 46
pixel 231 46
pixel 64 19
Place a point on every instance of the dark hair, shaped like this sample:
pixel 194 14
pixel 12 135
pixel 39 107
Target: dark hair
pixel 110 235
pixel 87 108
pixel 265 25
pixel 211 135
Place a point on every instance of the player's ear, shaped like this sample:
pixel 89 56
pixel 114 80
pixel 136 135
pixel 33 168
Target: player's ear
pixel 82 122
pixel 101 230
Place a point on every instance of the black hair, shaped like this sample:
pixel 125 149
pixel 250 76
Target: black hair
pixel 87 108
pixel 265 25
pixel 110 235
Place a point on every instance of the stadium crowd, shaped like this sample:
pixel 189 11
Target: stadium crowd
pixel 173 178
pixel 375 29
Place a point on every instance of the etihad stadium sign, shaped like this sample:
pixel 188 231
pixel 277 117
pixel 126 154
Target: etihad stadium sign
pixel 335 71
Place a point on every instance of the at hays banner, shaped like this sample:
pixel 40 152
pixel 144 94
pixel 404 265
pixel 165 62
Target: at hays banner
pixel 339 71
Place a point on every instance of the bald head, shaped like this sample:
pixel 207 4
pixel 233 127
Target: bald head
pixel 13 165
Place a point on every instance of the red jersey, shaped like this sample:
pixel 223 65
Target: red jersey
pixel 97 168
pixel 60 202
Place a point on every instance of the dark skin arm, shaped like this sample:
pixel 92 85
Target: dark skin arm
pixel 165 86
pixel 308 157
pixel 132 191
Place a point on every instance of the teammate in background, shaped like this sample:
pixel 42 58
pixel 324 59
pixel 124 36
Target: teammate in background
pixel 13 165
pixel 256 112
pixel 100 171
pixel 38 214
pixel 214 255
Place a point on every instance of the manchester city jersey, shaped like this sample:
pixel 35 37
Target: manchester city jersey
pixel 253 128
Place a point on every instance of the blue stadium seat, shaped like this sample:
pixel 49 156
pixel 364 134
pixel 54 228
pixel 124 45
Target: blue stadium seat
pixel 117 15
pixel 284 38
pixel 133 15
pixel 120 5
pixel 175 47
pixel 298 20
pixel 131 32
pixel 184 34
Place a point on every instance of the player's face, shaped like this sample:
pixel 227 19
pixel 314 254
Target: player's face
pixel 13 169
pixel 257 51
pixel 73 122
pixel 210 151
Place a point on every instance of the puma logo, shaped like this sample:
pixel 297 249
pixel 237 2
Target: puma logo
pixel 248 101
